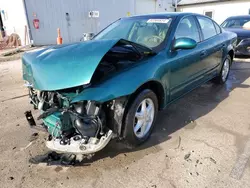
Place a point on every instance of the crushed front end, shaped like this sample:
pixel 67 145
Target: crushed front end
pixel 78 128
pixel 74 87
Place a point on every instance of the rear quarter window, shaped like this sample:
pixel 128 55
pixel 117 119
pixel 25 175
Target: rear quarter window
pixel 217 28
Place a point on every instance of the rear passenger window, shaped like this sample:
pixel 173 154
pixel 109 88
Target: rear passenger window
pixel 217 27
pixel 207 27
pixel 188 28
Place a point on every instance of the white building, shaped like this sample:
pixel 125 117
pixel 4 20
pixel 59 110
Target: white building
pixel 219 10
pixel 71 16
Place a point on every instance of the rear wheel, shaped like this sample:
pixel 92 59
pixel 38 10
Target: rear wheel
pixel 140 118
pixel 222 77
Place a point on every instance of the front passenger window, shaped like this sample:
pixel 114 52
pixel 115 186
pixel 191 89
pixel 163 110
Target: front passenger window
pixel 188 28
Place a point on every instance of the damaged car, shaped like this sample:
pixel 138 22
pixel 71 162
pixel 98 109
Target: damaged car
pixel 240 26
pixel 114 85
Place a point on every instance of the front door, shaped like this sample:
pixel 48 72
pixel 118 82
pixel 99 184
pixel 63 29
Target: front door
pixel 186 67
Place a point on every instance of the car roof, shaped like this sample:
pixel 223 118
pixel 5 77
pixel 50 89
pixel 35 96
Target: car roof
pixel 239 17
pixel 164 14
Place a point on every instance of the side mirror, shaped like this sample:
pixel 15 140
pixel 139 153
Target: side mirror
pixel 184 43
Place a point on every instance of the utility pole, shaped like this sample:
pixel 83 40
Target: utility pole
pixel 176 1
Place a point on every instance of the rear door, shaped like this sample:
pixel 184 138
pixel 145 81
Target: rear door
pixel 211 45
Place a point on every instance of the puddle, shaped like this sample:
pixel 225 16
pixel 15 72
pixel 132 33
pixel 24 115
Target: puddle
pixel 191 125
pixel 207 85
pixel 232 80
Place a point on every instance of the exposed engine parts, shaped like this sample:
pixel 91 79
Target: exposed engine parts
pixel 91 124
pixel 43 100
pixel 73 128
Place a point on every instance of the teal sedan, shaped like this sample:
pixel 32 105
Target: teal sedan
pixel 113 85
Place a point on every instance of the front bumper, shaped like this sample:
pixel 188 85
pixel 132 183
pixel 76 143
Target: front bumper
pixel 79 147
pixel 243 47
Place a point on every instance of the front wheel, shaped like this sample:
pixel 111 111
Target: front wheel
pixel 140 118
pixel 222 77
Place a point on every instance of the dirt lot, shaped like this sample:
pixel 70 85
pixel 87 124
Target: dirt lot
pixel 200 141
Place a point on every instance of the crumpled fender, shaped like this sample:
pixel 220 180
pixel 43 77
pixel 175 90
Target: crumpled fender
pixel 123 83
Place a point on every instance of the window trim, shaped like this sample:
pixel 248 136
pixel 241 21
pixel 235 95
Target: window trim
pixel 197 24
pixel 202 16
pixel 218 27
pixel 204 13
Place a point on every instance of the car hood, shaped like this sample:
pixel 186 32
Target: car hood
pixel 240 32
pixel 64 66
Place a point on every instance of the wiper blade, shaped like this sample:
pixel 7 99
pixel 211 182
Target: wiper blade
pixel 135 49
pixel 138 48
pixel 145 48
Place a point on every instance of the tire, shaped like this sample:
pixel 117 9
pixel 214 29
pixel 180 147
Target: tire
pixel 135 117
pixel 225 69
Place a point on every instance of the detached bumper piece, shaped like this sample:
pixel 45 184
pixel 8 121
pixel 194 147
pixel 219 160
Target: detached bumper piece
pixel 32 123
pixel 80 146
pixel 30 118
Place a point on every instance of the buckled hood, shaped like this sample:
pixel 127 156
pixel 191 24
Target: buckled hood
pixel 64 66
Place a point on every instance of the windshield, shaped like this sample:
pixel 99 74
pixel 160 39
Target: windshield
pixel 235 23
pixel 148 32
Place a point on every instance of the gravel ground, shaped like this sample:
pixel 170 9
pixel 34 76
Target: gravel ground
pixel 202 140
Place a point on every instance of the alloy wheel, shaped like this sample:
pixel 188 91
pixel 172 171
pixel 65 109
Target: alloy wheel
pixel 225 70
pixel 144 117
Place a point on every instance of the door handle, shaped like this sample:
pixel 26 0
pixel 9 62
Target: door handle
pixel 203 53
pixel 222 45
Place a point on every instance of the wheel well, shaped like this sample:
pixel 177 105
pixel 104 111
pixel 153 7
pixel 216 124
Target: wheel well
pixel 156 87
pixel 231 53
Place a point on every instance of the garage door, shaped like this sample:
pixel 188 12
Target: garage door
pixel 71 16
pixel 145 6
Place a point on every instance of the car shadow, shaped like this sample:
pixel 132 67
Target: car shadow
pixel 181 114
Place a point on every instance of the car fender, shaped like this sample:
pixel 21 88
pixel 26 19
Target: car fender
pixel 231 39
pixel 124 83
pixel 230 44
pixel 228 48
